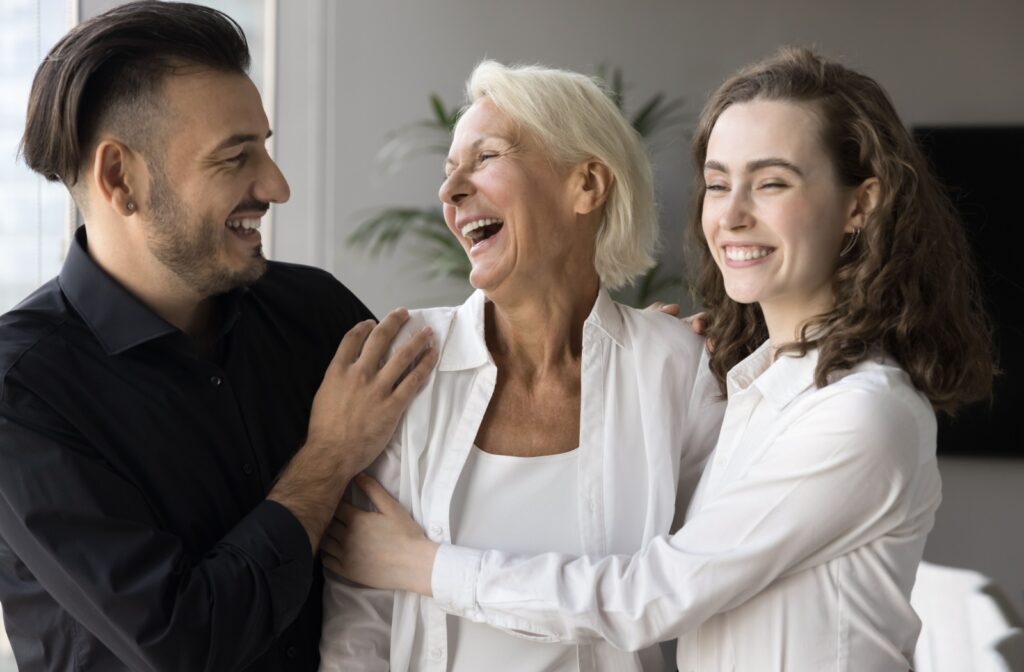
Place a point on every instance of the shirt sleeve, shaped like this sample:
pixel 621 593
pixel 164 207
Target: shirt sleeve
pixel 705 409
pixel 356 635
pixel 89 537
pixel 837 478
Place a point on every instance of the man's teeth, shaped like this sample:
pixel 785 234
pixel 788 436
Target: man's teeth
pixel 244 224
pixel 746 253
pixel 478 224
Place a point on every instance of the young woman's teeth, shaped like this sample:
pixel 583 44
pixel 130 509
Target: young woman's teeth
pixel 746 253
pixel 244 224
pixel 477 226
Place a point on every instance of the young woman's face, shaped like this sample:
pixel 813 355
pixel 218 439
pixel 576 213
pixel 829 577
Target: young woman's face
pixel 774 211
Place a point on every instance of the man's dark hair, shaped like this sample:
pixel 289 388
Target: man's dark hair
pixel 107 72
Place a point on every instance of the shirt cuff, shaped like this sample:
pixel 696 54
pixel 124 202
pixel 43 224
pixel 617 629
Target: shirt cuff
pixel 454 578
pixel 278 544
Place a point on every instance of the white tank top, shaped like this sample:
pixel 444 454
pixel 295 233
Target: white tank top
pixel 521 505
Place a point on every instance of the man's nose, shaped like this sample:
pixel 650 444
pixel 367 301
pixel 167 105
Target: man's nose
pixel 271 185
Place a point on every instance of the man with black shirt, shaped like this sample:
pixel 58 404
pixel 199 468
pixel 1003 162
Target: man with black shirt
pixel 171 448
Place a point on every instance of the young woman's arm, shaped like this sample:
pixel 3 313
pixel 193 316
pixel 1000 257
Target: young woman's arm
pixel 838 478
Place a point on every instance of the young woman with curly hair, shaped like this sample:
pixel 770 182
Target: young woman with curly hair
pixel 843 307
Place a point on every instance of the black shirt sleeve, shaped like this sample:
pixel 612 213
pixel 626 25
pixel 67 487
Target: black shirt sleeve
pixel 89 537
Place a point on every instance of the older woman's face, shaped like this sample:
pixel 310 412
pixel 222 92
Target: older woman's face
pixel 506 202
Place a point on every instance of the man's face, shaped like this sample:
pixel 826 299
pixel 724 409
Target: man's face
pixel 211 182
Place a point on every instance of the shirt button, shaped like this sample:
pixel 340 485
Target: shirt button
pixel 247 469
pixel 291 652
pixel 436 531
pixel 436 653
pixel 216 381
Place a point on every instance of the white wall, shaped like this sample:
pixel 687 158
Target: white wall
pixel 943 62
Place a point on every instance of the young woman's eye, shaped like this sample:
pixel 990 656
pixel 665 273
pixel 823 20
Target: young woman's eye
pixel 774 184
pixel 716 187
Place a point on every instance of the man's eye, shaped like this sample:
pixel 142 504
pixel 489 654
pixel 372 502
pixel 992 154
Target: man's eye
pixel 487 155
pixel 238 159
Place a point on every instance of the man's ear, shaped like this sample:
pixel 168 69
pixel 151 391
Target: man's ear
pixel 116 174
pixel 594 184
pixel 865 199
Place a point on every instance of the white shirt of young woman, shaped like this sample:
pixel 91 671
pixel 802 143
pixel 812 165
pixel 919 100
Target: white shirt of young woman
pixel 799 549
pixel 649 418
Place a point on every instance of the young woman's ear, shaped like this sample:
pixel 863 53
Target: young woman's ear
pixel 865 199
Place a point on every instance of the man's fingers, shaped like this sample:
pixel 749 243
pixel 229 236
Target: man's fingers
pixel 379 497
pixel 352 343
pixel 405 357
pixel 414 380
pixel 380 339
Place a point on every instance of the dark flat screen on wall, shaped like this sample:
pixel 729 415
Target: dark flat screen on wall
pixel 982 169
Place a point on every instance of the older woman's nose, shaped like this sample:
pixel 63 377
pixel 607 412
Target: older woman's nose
pixel 455 188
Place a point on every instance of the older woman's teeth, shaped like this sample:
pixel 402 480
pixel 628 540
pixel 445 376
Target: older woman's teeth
pixel 746 253
pixel 245 225
pixel 477 225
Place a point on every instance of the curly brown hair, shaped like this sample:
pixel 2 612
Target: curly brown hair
pixel 908 286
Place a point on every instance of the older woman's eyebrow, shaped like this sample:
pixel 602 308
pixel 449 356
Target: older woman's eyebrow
pixel 759 164
pixel 449 161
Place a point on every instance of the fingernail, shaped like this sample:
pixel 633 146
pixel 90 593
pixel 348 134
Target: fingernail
pixel 426 331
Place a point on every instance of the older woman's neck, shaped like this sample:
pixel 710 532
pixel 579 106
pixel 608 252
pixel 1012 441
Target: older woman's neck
pixel 541 330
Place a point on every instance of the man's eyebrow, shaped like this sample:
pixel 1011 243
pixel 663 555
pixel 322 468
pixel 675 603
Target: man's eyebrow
pixel 240 139
pixel 757 165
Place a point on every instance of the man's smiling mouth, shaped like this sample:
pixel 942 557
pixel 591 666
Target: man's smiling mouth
pixel 244 227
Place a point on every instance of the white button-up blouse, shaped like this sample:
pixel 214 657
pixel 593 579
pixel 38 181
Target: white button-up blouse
pixel 649 417
pixel 799 549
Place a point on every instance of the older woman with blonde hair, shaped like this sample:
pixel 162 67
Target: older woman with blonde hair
pixel 842 302
pixel 556 419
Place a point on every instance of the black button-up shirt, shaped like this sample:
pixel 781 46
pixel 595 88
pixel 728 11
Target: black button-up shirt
pixel 134 533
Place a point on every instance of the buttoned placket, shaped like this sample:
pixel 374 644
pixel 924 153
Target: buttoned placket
pixel 590 506
pixel 438 509
pixel 220 385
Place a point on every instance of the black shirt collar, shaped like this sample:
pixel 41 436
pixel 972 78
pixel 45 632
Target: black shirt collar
pixel 115 316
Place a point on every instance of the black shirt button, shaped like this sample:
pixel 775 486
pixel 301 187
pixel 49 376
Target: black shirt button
pixel 291 652
pixel 247 469
pixel 216 381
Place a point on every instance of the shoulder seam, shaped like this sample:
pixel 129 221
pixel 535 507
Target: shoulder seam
pixel 28 348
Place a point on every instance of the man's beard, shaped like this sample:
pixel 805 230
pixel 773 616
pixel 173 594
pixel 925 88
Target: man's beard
pixel 193 258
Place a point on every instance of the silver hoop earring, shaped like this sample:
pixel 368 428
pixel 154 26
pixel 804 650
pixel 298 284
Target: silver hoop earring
pixel 854 237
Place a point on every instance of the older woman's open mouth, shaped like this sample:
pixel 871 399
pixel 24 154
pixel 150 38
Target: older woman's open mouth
pixel 482 229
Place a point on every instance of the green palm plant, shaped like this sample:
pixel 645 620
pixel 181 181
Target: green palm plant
pixel 383 230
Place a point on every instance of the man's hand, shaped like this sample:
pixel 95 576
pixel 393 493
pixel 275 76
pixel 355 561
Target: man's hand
pixel 362 397
pixel 354 413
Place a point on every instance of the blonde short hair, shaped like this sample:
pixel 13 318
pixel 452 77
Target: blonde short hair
pixel 575 120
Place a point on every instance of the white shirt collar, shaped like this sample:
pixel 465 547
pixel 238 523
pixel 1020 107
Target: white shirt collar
pixel 779 382
pixel 466 346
